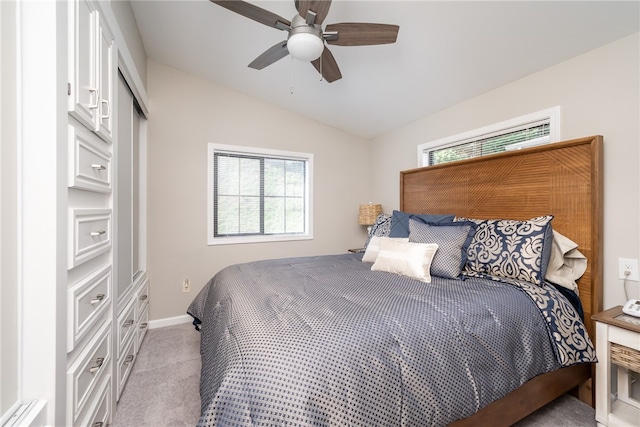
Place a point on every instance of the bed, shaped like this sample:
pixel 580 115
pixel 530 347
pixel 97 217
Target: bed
pixel 335 340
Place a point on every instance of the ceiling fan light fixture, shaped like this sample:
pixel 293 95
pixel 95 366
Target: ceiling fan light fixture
pixel 305 46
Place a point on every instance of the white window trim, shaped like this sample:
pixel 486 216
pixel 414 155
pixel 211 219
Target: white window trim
pixel 308 235
pixel 552 114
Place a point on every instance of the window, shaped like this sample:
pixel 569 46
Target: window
pixel 534 129
pixel 258 195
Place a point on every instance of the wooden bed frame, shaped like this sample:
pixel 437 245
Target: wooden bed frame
pixel 563 179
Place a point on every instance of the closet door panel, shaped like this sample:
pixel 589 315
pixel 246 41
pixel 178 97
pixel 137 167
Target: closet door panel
pixel 137 267
pixel 124 275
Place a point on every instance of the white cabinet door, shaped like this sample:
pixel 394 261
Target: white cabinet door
pixel 92 68
pixel 83 60
pixel 107 76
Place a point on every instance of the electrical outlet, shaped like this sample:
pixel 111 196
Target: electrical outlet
pixel 186 285
pixel 628 269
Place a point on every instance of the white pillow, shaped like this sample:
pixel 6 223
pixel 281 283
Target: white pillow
pixel 371 254
pixel 567 264
pixel 406 258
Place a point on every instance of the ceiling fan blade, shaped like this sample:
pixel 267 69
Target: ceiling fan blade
pixel 319 7
pixel 362 33
pixel 329 67
pixel 271 55
pixel 256 13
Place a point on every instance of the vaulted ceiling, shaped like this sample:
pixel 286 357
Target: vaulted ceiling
pixel 446 52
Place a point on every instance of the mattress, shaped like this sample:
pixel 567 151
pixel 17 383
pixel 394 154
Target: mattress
pixel 326 341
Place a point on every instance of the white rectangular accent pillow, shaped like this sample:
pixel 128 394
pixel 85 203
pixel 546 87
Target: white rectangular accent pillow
pixel 371 253
pixel 406 258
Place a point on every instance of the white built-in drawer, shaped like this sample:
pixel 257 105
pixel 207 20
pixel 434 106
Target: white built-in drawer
pixel 89 161
pixel 143 325
pixel 99 410
pixel 86 301
pixel 125 363
pixel 126 325
pixel 93 364
pixel 89 234
pixel 142 296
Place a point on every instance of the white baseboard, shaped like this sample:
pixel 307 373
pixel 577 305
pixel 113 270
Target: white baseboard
pixel 170 321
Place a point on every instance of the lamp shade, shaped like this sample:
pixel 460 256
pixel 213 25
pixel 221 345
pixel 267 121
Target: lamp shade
pixel 367 214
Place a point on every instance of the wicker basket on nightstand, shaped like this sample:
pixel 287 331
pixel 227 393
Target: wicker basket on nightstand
pixel 625 357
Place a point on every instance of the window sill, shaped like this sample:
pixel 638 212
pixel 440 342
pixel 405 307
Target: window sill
pixel 215 241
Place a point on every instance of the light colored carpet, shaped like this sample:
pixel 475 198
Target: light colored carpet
pixel 163 387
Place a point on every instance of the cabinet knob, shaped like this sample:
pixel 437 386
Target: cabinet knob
pixel 128 359
pixel 97 424
pixel 97 299
pixel 98 166
pixel 144 297
pixel 98 233
pixel 143 325
pixel 127 323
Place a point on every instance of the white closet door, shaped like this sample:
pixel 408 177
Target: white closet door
pixel 137 265
pixel 124 208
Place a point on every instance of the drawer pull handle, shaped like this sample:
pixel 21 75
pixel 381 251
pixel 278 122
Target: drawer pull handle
pixel 97 424
pixel 143 325
pixel 144 297
pixel 127 323
pixel 98 233
pixel 98 166
pixel 93 91
pixel 105 102
pixel 99 362
pixel 97 299
pixel 128 359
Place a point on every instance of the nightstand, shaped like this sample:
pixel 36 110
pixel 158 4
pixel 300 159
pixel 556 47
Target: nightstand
pixel 618 351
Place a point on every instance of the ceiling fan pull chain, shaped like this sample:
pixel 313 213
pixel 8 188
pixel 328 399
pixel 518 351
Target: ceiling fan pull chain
pixel 321 67
pixel 291 82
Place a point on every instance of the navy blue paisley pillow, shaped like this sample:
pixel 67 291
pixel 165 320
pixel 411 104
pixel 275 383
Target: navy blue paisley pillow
pixel 381 228
pixel 512 249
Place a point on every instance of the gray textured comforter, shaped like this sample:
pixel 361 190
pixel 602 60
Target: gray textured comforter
pixel 325 341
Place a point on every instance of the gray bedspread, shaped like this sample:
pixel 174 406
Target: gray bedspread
pixel 321 341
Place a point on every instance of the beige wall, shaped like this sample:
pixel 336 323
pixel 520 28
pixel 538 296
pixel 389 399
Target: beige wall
pixel 598 93
pixel 188 113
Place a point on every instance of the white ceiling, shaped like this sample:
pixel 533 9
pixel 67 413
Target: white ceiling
pixel 446 52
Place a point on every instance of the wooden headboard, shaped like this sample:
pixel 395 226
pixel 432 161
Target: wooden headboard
pixel 563 179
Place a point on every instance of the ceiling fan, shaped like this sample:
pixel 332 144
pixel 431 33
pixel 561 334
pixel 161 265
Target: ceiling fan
pixel 306 40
